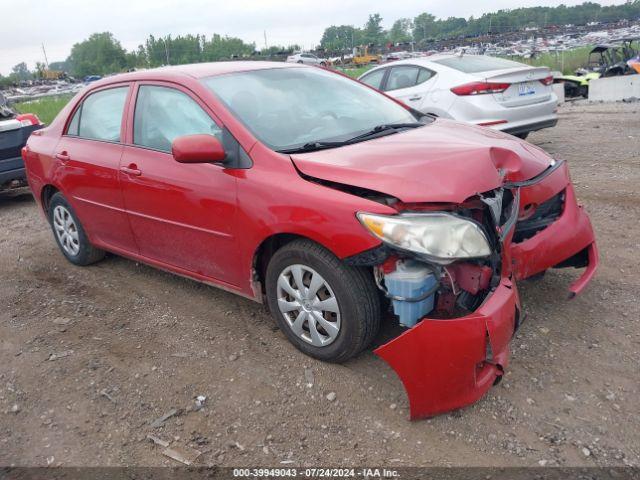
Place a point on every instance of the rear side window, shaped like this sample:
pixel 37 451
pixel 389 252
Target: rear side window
pixel 404 76
pixel 163 114
pixel 374 79
pixel 100 115
pixel 478 63
pixel 424 75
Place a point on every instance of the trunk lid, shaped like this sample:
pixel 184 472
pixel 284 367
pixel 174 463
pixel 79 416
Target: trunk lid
pixel 525 85
pixel 444 161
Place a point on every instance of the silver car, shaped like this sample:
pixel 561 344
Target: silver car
pixel 307 59
pixel 494 92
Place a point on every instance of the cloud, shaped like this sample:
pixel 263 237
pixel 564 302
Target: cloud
pixel 58 24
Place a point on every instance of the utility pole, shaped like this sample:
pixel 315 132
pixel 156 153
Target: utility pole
pixel 265 39
pixel 166 50
pixel 46 62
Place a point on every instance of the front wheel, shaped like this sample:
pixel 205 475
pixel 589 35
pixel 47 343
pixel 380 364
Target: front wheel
pixel 69 234
pixel 328 310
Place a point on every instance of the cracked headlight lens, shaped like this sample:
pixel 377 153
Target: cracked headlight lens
pixel 442 237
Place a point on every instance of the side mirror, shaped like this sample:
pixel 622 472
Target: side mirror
pixel 201 148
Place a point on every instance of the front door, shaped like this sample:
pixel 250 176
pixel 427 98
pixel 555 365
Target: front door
pixel 182 215
pixel 87 161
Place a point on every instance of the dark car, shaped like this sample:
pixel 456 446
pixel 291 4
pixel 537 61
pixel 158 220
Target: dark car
pixel 14 132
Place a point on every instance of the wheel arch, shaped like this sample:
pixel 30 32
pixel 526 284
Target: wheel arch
pixel 263 254
pixel 47 192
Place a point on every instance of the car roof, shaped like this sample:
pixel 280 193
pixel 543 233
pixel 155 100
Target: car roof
pixel 194 70
pixel 424 61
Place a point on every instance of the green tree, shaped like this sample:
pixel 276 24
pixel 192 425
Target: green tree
pixel 100 54
pixel 20 72
pixel 401 31
pixel 424 27
pixel 341 38
pixel 373 31
pixel 225 48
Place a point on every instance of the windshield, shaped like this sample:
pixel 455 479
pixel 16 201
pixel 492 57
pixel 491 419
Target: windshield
pixel 286 108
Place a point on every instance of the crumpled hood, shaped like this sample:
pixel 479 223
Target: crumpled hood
pixel 445 161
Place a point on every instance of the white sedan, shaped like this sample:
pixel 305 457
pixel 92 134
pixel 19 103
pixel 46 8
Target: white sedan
pixel 307 59
pixel 493 92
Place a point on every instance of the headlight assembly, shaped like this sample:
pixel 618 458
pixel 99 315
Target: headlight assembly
pixel 441 237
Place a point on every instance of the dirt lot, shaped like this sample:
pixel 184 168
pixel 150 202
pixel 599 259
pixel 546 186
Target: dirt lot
pixel 129 343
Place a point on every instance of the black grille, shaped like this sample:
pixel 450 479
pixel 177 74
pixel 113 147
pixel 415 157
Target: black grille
pixel 546 213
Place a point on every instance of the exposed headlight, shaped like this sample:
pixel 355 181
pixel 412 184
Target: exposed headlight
pixel 442 237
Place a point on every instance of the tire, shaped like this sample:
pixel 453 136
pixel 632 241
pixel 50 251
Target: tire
pixel 77 248
pixel 351 288
pixel 523 136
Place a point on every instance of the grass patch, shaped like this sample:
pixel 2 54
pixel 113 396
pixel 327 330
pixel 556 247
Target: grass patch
pixel 355 72
pixel 45 108
pixel 566 62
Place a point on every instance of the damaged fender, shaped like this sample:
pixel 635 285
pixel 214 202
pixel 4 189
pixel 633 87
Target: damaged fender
pixel 445 364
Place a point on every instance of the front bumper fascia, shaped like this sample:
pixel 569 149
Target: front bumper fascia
pixel 449 364
pixel 567 236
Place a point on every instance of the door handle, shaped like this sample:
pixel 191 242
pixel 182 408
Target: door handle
pixel 63 157
pixel 415 97
pixel 131 170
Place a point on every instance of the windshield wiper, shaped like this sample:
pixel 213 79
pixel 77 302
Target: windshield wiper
pixel 374 132
pixel 387 127
pixel 312 147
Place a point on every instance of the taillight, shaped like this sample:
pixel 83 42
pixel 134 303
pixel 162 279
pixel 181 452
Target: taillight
pixel 547 80
pixel 479 88
pixel 28 119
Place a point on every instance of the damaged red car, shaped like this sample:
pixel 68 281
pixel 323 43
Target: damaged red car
pixel 334 204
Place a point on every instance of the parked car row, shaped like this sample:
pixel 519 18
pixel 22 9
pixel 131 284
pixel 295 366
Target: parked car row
pixel 336 205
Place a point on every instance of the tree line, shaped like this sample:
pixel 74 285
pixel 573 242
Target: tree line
pixel 102 53
pixel 426 28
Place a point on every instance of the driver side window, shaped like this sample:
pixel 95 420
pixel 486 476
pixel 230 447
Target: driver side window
pixel 162 114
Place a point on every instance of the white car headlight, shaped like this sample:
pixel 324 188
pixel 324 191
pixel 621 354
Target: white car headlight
pixel 442 237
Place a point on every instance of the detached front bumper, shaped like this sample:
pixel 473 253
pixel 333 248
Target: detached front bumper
pixel 571 235
pixel 448 364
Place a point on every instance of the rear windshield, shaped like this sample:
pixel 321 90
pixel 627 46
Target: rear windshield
pixel 478 63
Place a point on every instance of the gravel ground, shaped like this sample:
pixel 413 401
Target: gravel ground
pixel 90 357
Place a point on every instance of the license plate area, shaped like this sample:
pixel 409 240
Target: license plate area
pixel 526 89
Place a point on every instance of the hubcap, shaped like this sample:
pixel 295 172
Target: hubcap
pixel 66 230
pixel 308 305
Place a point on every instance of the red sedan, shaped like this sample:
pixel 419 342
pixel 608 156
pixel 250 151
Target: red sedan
pixel 336 205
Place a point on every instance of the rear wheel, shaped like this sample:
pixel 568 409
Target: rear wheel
pixel 69 234
pixel 327 309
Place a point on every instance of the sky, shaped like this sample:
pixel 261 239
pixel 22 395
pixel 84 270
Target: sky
pixel 58 24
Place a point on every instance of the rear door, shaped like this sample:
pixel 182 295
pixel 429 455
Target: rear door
pixel 410 84
pixel 87 166
pixel 182 215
